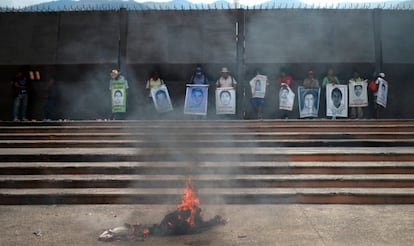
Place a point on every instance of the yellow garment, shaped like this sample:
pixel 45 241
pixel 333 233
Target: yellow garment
pixel 153 84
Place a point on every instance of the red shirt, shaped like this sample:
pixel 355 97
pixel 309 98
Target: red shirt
pixel 288 80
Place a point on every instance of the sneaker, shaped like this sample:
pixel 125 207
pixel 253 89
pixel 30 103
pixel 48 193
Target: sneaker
pixel 15 119
pixel 25 119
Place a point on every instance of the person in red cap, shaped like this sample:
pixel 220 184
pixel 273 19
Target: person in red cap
pixel 311 81
pixel 284 81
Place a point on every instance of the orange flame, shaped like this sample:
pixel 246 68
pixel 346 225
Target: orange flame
pixel 190 201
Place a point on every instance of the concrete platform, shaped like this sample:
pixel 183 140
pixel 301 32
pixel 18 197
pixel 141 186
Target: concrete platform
pixel 325 225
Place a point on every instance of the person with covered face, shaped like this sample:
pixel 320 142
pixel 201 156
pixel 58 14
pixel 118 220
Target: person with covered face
pixel 357 112
pixel 284 83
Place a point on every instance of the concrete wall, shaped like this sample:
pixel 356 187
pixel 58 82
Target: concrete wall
pixel 80 48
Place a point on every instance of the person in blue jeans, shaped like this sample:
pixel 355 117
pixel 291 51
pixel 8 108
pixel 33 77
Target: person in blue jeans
pixel 20 85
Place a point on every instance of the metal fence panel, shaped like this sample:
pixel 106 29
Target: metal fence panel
pixel 181 37
pixel 309 36
pixel 88 37
pixel 397 36
pixel 24 38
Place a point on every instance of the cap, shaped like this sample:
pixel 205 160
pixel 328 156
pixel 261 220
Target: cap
pixel 198 70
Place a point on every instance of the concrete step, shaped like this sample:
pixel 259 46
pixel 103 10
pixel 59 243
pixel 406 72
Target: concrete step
pixel 209 196
pixel 222 154
pixel 199 168
pixel 210 136
pixel 207 181
pixel 106 143
pixel 232 162
pixel 207 129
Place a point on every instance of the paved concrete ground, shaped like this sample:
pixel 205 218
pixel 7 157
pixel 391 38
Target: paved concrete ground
pixel 248 225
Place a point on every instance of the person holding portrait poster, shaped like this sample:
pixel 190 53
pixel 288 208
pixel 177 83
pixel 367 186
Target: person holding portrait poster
pixel 332 79
pixel 308 102
pixel 161 99
pixel 374 86
pixel 258 86
pixel 286 100
pixel 152 83
pixel 286 95
pixel 196 99
pixel 358 95
pixel 337 101
pixel 382 95
pixel 225 100
pixel 118 86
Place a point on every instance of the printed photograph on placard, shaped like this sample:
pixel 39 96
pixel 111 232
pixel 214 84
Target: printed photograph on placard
pixel 286 98
pixel 225 100
pixel 382 95
pixel 118 94
pixel 308 102
pixel 161 99
pixel 196 99
pixel 358 94
pixel 337 100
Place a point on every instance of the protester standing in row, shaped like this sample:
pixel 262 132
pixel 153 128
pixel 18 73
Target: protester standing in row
pixel 258 85
pixel 285 84
pixel 118 86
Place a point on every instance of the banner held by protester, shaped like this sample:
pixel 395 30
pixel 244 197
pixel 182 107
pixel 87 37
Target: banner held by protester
pixel 225 100
pixel 308 102
pixel 196 99
pixel 119 96
pixel 161 99
pixel 336 100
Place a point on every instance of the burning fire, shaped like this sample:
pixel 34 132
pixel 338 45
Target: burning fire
pixel 190 201
pixel 186 219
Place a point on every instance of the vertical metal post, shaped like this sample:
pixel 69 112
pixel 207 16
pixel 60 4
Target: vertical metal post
pixel 378 40
pixel 123 33
pixel 240 39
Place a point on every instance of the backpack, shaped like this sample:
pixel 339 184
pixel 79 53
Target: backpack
pixel 373 86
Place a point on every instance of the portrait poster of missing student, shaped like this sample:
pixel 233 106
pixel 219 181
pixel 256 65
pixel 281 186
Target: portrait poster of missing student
pixel 337 100
pixel 196 99
pixel 161 99
pixel 225 100
pixel 119 96
pixel 286 98
pixel 382 95
pixel 358 94
pixel 258 85
pixel 308 102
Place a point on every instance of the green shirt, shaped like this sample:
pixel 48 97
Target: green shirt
pixel 327 80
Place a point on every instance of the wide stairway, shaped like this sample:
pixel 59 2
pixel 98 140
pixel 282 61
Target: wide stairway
pixel 231 162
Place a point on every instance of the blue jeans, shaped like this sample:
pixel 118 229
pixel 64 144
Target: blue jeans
pixel 20 106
